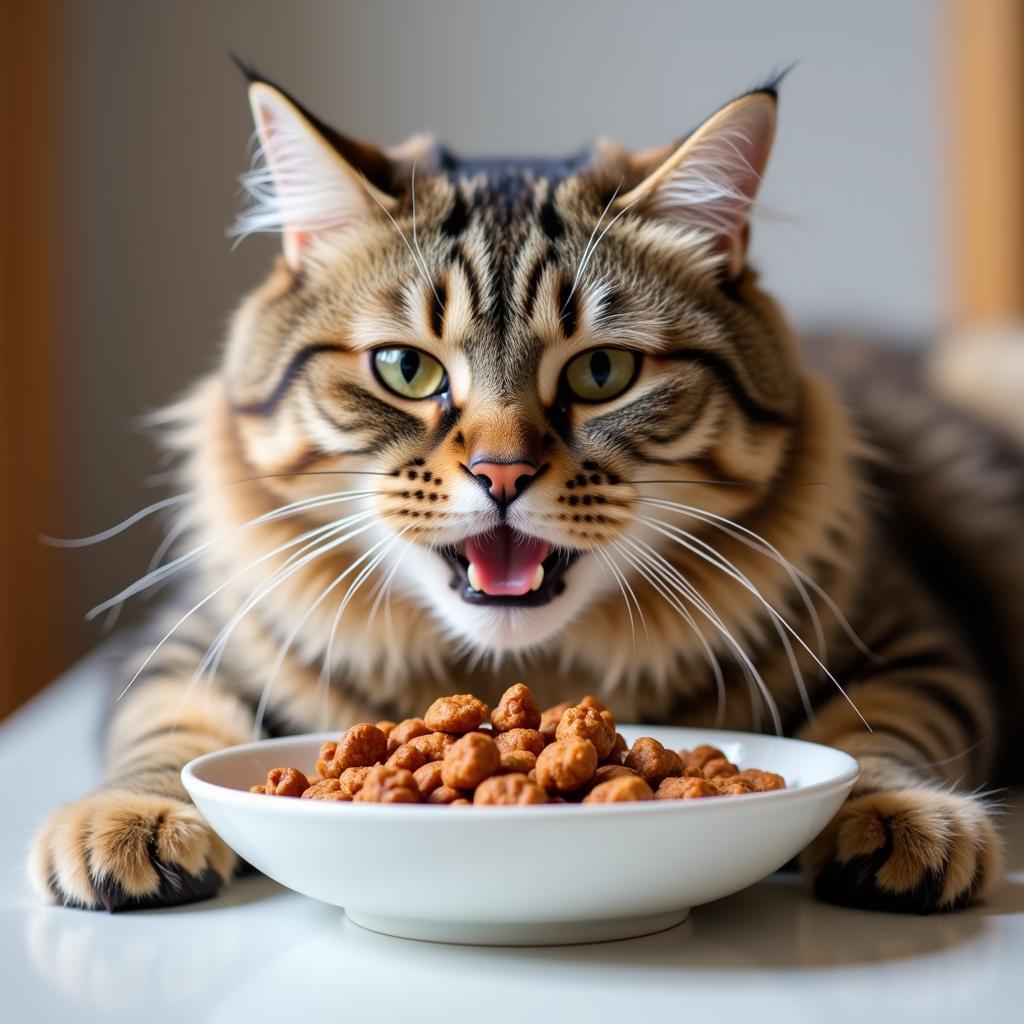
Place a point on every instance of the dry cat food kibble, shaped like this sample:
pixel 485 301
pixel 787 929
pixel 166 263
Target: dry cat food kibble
pixel 571 753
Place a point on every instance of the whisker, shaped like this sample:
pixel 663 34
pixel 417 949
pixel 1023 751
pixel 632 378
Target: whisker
pixel 177 499
pixel 800 578
pixel 684 613
pixel 618 578
pixel 314 549
pixel 794 664
pixel 724 565
pixel 168 541
pixel 586 259
pixel 586 248
pixel 386 542
pixel 415 240
pixel 210 662
pixel 401 234
pixel 684 586
pixel 209 597
pixel 282 512
pixel 328 658
pixel 735 483
pixel 312 472
pixel 113 531
pixel 384 589
pixel 712 483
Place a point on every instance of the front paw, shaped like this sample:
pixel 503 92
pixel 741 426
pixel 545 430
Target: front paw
pixel 127 851
pixel 911 850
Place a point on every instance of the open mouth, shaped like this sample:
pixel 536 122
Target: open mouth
pixel 504 567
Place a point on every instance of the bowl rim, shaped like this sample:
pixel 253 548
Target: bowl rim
pixel 847 777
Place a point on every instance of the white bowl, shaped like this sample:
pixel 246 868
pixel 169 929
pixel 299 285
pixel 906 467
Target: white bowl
pixel 538 875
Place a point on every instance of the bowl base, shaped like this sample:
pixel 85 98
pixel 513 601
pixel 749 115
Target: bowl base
pixel 518 933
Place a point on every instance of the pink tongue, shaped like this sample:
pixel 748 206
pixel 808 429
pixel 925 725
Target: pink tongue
pixel 506 562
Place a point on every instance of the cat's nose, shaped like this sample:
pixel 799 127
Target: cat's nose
pixel 504 481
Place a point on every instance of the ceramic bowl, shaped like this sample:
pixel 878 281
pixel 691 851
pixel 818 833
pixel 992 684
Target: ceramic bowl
pixel 533 875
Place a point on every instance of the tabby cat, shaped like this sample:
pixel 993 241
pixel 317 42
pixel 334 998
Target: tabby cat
pixel 499 420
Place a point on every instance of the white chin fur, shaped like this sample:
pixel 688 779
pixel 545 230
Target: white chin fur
pixel 427 576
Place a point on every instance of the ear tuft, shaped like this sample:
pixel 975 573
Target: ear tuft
pixel 709 183
pixel 771 82
pixel 247 68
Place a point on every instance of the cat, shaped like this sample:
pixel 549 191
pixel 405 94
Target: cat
pixel 501 420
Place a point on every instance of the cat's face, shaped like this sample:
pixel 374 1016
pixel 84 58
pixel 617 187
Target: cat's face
pixel 510 362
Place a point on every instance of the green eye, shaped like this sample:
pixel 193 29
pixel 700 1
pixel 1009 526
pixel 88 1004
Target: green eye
pixel 602 373
pixel 409 372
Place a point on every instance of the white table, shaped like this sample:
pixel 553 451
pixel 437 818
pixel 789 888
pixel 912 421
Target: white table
pixel 261 953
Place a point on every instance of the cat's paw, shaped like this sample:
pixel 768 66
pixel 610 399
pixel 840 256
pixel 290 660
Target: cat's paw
pixel 913 851
pixel 127 851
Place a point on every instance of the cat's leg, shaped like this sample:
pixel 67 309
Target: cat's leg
pixel 139 841
pixel 911 837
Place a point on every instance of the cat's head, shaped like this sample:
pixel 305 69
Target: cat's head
pixel 513 361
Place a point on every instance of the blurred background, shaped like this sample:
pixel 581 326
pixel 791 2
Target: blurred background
pixel 895 193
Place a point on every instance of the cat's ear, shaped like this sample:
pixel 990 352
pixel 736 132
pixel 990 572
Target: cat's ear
pixel 710 181
pixel 307 178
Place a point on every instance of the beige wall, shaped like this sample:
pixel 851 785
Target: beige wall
pixel 160 126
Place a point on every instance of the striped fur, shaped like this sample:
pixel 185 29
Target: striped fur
pixel 750 544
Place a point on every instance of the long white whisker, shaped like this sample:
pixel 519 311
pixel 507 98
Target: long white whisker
pixel 412 252
pixel 794 664
pixel 165 545
pixel 113 531
pixel 312 549
pixel 757 543
pixel 684 586
pixel 384 587
pixel 387 543
pixel 805 578
pixel 329 541
pixel 210 596
pixel 281 512
pixel 158 506
pixel 650 572
pixel 837 612
pixel 415 240
pixel 715 558
pixel 593 248
pixel 328 658
pixel 763 546
pixel 586 248
pixel 619 581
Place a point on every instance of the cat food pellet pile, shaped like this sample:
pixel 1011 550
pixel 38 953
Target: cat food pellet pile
pixel 567 754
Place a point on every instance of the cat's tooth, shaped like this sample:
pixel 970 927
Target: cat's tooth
pixel 538 578
pixel 473 576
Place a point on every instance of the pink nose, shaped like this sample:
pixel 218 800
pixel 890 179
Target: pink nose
pixel 506 479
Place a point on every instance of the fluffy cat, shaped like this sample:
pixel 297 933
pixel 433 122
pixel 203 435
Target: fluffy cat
pixel 504 419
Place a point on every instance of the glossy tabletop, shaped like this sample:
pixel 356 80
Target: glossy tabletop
pixel 261 953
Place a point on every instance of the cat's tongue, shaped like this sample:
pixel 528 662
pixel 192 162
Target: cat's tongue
pixel 502 561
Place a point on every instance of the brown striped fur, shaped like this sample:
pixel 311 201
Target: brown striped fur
pixel 864 497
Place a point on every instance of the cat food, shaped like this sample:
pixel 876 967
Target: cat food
pixel 566 765
pixel 652 762
pixel 386 785
pixel 588 724
pixel 571 753
pixel 517 709
pixel 469 761
pixel 509 789
pixel 460 713
pixel 619 789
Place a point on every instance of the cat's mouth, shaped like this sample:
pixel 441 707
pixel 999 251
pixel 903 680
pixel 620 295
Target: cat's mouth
pixel 505 567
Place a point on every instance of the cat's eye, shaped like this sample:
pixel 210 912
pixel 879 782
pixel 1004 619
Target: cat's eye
pixel 601 374
pixel 409 373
